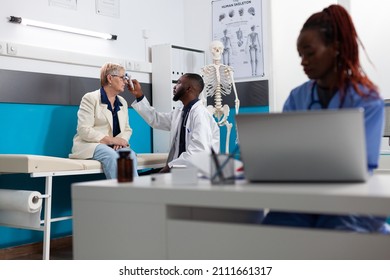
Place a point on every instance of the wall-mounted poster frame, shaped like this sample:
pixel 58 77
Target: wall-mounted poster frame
pixel 238 25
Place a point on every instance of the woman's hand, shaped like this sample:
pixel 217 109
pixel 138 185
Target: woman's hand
pixel 115 142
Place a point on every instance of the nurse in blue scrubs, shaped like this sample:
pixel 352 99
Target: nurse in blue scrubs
pixel 328 48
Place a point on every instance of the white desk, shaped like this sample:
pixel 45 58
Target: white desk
pixel 384 163
pixel 156 220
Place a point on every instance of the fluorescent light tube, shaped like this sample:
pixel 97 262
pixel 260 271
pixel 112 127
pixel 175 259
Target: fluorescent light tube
pixel 29 22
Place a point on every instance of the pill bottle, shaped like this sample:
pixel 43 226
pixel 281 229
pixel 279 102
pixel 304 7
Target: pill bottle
pixel 125 167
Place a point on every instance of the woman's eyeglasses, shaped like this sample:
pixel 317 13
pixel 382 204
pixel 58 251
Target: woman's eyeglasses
pixel 124 77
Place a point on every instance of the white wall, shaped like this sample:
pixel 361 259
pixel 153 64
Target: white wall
pixel 197 25
pixel 372 23
pixel 162 19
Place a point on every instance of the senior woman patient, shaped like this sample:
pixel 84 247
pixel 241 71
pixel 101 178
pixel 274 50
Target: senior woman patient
pixel 103 122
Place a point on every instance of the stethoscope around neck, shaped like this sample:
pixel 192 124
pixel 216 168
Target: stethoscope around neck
pixel 315 102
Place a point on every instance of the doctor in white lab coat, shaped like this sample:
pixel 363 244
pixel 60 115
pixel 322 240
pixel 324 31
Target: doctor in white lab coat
pixel 193 127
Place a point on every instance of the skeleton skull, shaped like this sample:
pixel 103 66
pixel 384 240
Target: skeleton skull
pixel 216 48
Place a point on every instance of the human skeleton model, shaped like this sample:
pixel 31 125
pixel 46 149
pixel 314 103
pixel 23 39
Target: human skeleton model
pixel 219 81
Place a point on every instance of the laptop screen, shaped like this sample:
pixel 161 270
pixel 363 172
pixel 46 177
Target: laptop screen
pixel 321 146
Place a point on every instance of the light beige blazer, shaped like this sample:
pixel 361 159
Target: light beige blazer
pixel 95 122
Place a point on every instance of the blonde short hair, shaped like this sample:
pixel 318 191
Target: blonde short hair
pixel 109 69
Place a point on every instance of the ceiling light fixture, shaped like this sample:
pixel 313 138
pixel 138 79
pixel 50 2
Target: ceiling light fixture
pixel 29 22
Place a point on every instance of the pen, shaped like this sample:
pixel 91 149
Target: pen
pixel 219 172
pixel 217 166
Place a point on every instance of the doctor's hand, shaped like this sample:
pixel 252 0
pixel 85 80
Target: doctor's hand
pixel 165 169
pixel 136 90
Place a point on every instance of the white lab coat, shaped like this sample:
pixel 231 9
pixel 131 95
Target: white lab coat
pixel 202 131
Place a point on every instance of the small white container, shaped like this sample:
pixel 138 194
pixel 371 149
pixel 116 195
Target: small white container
pixel 187 175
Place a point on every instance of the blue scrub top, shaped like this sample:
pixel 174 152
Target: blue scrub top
pixel 305 97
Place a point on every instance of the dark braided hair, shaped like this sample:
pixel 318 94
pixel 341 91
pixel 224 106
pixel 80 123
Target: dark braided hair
pixel 336 27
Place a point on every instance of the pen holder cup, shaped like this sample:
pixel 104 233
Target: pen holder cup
pixel 222 169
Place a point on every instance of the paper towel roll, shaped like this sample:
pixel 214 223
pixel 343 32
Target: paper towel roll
pixel 19 200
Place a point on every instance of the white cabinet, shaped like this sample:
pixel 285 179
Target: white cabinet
pixel 169 63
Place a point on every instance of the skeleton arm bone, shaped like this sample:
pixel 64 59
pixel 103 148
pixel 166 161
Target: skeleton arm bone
pixel 203 97
pixel 236 100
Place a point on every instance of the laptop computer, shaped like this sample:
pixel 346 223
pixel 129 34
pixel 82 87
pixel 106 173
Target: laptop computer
pixel 312 146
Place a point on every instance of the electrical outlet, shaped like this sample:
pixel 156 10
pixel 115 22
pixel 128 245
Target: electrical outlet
pixel 129 65
pixel 137 66
pixel 3 47
pixel 12 49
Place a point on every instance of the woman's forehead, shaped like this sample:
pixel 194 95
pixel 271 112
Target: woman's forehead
pixel 309 37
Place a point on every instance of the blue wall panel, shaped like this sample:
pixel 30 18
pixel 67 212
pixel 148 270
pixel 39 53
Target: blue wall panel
pixel 233 133
pixel 49 130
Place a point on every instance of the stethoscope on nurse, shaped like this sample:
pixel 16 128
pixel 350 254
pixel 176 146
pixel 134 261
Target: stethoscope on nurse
pixel 317 102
